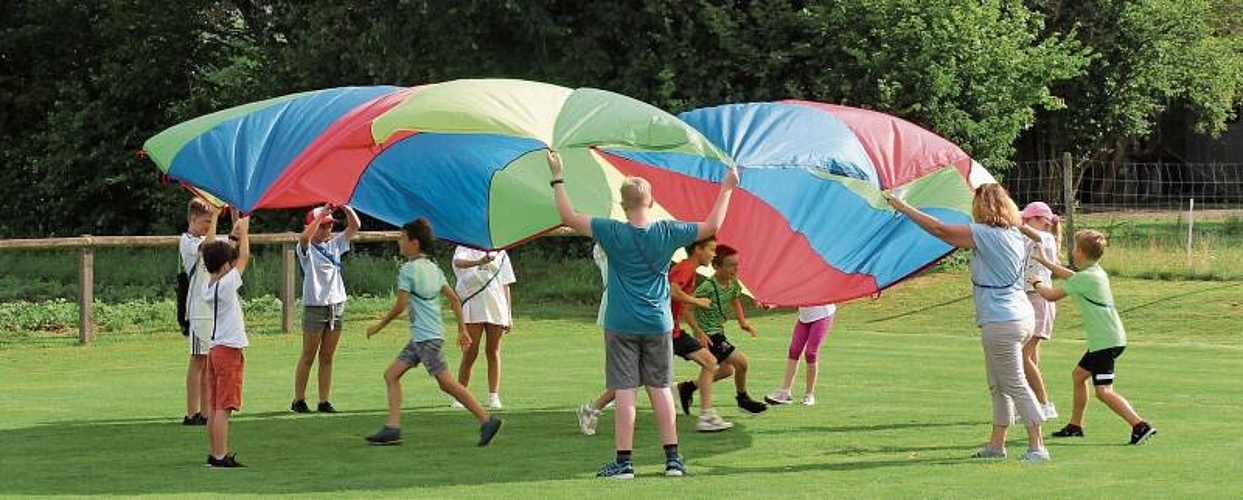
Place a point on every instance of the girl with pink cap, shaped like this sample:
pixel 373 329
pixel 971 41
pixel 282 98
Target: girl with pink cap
pixel 1045 230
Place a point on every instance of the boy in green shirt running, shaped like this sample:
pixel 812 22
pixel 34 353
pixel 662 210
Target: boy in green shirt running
pixel 1103 327
pixel 724 292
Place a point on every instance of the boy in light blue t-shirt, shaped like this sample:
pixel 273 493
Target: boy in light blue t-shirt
pixel 419 286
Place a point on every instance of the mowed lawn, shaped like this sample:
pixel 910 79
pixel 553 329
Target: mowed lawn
pixel 902 404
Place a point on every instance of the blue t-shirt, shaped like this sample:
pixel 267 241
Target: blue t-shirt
pixel 424 280
pixel 997 274
pixel 638 269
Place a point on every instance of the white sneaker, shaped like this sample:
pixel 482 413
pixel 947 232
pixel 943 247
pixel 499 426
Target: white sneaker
pixel 453 403
pixel 587 418
pixel 779 397
pixel 1036 455
pixel 1050 411
pixel 709 421
pixel 809 400
pixel 494 402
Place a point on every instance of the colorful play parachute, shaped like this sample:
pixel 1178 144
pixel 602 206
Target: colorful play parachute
pixel 810 223
pixel 467 154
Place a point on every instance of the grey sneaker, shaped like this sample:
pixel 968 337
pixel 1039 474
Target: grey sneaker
pixel 488 430
pixel 1036 455
pixel 990 452
pixel 587 419
pixel 386 436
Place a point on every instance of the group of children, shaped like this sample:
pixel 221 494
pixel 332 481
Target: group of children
pixel 213 323
pixel 210 315
pixel 1106 337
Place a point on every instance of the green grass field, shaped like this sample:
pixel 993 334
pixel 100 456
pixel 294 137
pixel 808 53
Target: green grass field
pixel 903 402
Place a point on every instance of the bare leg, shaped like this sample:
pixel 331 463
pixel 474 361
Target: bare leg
pixel 740 370
pixel 327 351
pixel 623 419
pixel 605 398
pixel 787 380
pixel 392 381
pixel 461 394
pixel 1079 380
pixel 1031 369
pixel 1118 404
pixel 475 331
pixel 493 351
pixel 196 378
pixel 813 371
pixel 707 372
pixel 310 347
pixel 662 406
pixel 218 433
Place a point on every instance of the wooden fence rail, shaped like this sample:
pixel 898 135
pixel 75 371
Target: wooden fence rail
pixel 86 265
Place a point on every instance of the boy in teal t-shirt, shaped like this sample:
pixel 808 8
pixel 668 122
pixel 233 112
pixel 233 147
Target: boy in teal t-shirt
pixel 1103 327
pixel 419 286
pixel 724 292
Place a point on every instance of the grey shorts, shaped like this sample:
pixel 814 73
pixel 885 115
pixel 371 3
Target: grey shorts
pixel 319 319
pixel 426 352
pixel 634 360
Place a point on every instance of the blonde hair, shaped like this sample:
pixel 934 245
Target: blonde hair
pixel 1092 243
pixel 197 208
pixel 635 192
pixel 994 207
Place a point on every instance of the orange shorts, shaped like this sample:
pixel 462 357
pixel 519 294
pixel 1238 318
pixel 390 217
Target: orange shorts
pixel 224 375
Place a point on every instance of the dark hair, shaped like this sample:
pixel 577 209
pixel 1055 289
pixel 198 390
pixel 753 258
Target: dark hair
pixel 420 230
pixel 690 249
pixel 722 251
pixel 216 254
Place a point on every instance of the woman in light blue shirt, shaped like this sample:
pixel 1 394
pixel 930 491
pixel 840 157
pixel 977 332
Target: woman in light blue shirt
pixel 1005 316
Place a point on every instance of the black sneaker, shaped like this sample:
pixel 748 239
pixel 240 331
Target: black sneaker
pixel 1071 430
pixel 488 430
pixel 686 393
pixel 1141 432
pixel 200 419
pixel 386 436
pixel 299 406
pixel 228 462
pixel 750 405
pixel 324 407
pixel 191 419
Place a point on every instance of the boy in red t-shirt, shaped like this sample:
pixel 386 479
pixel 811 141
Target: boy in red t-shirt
pixel 682 281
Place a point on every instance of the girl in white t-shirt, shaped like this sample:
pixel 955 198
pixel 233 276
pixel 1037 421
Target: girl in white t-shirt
pixel 483 280
pixel 813 325
pixel 1045 230
pixel 323 300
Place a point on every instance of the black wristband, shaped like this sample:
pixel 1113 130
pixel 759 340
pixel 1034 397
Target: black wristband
pixel 554 182
pixel 232 238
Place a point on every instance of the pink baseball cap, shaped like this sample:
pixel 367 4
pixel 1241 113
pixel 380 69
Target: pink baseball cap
pixel 1038 209
pixel 324 218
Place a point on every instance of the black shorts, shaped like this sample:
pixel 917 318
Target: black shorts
pixel 686 344
pixel 720 347
pixel 1101 364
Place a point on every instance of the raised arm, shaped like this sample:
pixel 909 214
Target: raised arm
pixel 716 217
pixel 578 222
pixel 352 223
pixel 1050 293
pixel 242 228
pixel 958 235
pixel 310 229
pixel 398 307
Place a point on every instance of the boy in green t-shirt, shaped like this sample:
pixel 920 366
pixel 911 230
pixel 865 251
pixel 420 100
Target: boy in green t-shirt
pixel 724 291
pixel 1105 335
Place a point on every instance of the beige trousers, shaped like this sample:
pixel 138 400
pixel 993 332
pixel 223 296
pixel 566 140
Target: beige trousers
pixel 1003 360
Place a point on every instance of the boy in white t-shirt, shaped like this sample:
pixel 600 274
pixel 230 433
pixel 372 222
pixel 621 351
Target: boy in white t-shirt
pixel 225 362
pixel 200 226
pixel 323 300
pixel 483 280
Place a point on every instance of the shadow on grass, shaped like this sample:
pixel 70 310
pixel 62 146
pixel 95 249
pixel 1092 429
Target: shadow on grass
pixel 876 427
pixel 288 453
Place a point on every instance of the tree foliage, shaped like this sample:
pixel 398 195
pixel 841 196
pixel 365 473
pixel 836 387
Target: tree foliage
pixel 82 85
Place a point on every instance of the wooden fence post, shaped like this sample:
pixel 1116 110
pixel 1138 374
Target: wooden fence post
pixel 287 287
pixel 1068 202
pixel 86 295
